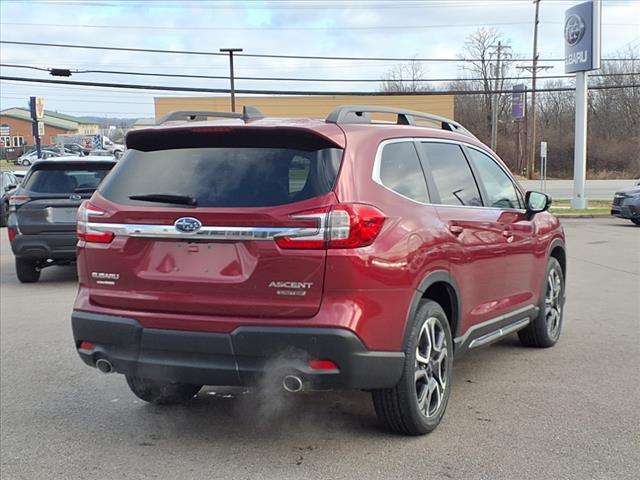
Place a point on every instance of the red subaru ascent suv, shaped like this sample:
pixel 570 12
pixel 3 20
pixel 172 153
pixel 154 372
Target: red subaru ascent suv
pixel 352 253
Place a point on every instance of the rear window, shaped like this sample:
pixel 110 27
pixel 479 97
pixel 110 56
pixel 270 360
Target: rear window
pixel 66 178
pixel 225 177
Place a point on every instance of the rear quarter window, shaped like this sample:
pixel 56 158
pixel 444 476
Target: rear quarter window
pixel 401 172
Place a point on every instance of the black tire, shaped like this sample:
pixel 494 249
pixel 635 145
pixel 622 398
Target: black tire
pixel 398 408
pixel 27 270
pixel 544 331
pixel 25 163
pixel 4 215
pixel 636 221
pixel 162 393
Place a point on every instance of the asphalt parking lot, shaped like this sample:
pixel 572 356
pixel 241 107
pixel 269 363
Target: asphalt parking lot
pixel 571 412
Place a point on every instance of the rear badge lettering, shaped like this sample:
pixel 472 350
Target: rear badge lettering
pixel 294 289
pixel 103 278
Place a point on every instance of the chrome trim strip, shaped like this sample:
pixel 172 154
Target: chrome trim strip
pixel 496 335
pixel 205 232
pixel 461 340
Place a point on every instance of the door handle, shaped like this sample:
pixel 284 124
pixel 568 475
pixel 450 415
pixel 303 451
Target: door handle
pixel 507 232
pixel 455 229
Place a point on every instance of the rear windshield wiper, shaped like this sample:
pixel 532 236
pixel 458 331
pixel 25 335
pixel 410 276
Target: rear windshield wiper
pixel 166 198
pixel 85 190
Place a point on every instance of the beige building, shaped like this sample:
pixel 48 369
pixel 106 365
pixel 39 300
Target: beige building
pixel 306 107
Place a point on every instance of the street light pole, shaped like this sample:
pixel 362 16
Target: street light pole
pixel 231 51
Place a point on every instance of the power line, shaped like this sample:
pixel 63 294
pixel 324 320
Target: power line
pixel 300 57
pixel 298 92
pixel 298 79
pixel 286 28
pixel 275 5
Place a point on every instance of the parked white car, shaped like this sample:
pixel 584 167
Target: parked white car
pixel 28 158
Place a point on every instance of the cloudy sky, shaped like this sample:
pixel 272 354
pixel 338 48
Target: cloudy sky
pixel 355 28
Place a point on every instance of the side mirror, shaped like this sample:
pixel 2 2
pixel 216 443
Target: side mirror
pixel 537 202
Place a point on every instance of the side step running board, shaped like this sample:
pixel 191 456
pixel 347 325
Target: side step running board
pixel 501 332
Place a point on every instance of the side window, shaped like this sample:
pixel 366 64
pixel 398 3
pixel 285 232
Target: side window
pixel 401 172
pixel 500 190
pixel 451 174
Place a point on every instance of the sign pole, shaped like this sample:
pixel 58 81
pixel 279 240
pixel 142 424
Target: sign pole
pixel 582 54
pixel 36 107
pixel 580 147
pixel 543 167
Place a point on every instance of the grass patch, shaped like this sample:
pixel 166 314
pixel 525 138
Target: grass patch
pixel 562 208
pixel 565 204
pixel 6 165
pixel 586 212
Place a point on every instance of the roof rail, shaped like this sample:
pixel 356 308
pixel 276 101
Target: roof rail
pixel 248 114
pixel 359 114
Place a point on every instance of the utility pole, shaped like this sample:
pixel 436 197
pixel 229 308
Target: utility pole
pixel 531 158
pixel 495 97
pixel 231 51
pixel 534 70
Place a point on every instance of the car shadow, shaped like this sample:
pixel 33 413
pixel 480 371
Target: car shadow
pixel 59 273
pixel 231 414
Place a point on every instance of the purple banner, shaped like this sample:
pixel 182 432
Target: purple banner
pixel 517 102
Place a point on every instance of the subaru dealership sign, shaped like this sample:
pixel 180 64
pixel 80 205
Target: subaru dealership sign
pixel 582 38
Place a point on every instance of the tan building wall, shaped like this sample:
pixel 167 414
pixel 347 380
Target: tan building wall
pixel 306 107
pixel 88 128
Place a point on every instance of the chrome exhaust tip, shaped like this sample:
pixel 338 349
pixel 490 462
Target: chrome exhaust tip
pixel 292 383
pixel 104 365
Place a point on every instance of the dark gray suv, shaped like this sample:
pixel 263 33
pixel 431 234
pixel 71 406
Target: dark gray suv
pixel 626 204
pixel 42 211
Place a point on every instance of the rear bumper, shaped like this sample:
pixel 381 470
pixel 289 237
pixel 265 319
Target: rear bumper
pixel 55 246
pixel 242 357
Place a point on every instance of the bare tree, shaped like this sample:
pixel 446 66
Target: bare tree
pixel 405 78
pixel 480 55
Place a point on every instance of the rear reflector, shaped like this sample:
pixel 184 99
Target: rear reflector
pixel 84 345
pixel 348 225
pixel 323 365
pixel 12 234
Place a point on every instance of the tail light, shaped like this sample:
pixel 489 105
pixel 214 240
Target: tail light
pixel 12 234
pixel 84 230
pixel 17 200
pixel 349 225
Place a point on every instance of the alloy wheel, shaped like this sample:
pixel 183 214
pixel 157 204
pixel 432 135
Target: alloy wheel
pixel 431 366
pixel 553 303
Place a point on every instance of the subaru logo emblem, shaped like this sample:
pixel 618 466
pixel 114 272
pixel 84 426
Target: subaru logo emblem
pixel 188 224
pixel 573 29
pixel 75 197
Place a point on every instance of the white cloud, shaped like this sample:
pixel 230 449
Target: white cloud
pixel 361 30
